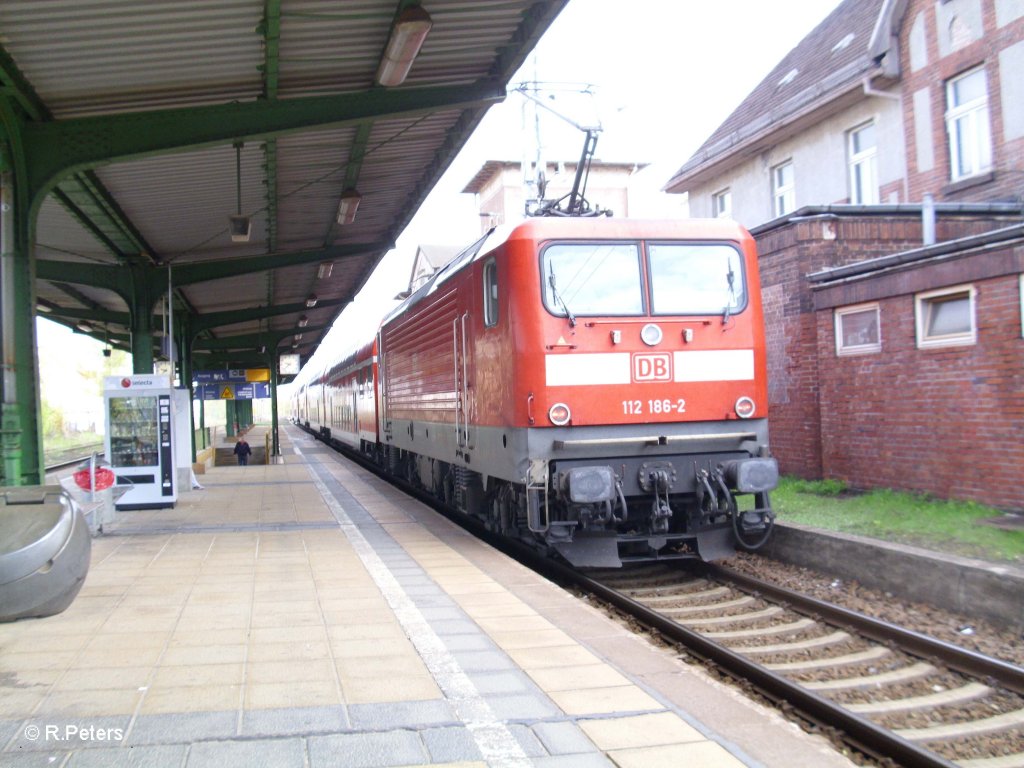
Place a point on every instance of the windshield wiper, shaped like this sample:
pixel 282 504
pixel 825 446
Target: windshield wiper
pixel 731 279
pixel 558 297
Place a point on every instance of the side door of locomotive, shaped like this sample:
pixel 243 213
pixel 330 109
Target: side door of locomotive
pixel 462 355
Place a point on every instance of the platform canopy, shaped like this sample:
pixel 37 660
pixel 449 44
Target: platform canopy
pixel 247 162
pixel 143 126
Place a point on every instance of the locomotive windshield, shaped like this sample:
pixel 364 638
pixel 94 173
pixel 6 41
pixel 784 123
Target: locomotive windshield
pixel 593 279
pixel 695 279
pixel 605 279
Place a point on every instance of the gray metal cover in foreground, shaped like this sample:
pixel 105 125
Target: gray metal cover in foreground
pixel 45 550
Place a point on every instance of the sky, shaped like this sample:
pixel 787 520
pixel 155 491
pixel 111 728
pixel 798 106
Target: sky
pixel 663 73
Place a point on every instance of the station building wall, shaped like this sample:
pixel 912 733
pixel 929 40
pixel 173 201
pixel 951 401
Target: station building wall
pixel 944 420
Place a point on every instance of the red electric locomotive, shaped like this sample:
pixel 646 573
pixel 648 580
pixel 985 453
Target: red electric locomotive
pixel 598 385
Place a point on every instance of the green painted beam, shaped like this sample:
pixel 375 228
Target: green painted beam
pixel 102 212
pixel 107 276
pixel 115 278
pixel 271 29
pixel 58 148
pixel 212 320
pixel 16 84
pixel 216 361
pixel 97 315
pixel 253 340
pixel 200 272
pixel 92 227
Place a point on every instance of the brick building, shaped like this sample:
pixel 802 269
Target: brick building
pixel 880 167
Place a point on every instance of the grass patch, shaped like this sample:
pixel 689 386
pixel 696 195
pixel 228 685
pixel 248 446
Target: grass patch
pixel 945 526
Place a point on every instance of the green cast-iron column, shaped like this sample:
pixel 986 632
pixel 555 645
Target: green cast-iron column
pixel 275 445
pixel 184 342
pixel 141 303
pixel 21 442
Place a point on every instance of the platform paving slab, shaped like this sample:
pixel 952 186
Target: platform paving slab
pixel 306 613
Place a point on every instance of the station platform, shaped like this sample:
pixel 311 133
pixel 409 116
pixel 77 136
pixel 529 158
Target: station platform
pixel 307 614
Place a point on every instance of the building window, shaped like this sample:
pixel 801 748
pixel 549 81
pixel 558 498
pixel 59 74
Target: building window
pixel 862 150
pixel 970 140
pixel 721 204
pixel 857 330
pixel 783 191
pixel 491 293
pixel 946 317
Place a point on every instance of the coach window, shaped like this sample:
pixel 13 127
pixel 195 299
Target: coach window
pixel 946 317
pixel 490 293
pixel 857 330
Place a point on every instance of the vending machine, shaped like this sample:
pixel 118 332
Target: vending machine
pixel 139 439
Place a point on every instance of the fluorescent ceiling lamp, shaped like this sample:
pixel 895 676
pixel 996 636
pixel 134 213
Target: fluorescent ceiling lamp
pixel 298 336
pixel 44 308
pixel 325 269
pixel 311 301
pixel 84 327
pixel 348 205
pixel 407 36
pixel 303 321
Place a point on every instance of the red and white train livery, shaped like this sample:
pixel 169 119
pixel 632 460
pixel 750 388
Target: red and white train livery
pixel 598 385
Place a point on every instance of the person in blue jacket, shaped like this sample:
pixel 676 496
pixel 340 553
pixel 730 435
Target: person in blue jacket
pixel 242 451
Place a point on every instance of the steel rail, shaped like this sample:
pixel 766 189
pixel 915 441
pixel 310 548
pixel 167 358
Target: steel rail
pixel 66 463
pixel 863 734
pixel 1005 674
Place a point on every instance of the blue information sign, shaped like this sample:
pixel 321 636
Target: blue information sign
pixel 254 390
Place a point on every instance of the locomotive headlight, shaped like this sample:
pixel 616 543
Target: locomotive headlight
pixel 650 334
pixel 559 414
pixel 745 407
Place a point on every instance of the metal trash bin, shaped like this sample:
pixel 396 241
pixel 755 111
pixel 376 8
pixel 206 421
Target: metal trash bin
pixel 45 548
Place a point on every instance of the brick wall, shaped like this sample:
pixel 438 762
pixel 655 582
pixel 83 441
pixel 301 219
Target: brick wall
pixel 946 421
pixel 786 255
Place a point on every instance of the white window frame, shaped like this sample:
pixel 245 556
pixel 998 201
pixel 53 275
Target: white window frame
pixel 863 165
pixel 783 195
pixel 721 204
pixel 857 349
pixel 922 303
pixel 968 127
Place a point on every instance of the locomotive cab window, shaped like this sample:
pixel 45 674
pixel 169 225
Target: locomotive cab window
pixel 696 279
pixel 592 279
pixel 491 293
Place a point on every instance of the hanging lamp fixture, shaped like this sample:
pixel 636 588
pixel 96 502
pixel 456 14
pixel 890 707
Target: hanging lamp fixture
pixel 240 226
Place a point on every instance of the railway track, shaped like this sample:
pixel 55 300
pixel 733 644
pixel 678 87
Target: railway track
pixel 898 696
pixel 892 693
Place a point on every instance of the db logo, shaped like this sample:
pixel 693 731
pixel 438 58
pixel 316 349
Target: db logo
pixel 656 366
